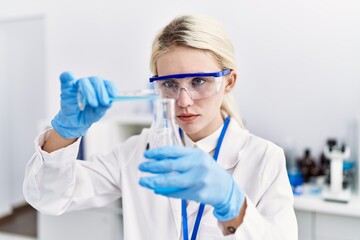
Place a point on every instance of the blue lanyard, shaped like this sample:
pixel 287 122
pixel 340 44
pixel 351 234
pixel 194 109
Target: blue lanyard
pixel 202 206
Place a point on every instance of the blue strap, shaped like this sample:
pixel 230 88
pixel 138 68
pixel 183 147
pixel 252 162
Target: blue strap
pixel 202 206
pixel 197 221
pixel 186 75
pixel 221 138
pixel 184 221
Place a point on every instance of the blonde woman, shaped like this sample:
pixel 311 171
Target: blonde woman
pixel 229 184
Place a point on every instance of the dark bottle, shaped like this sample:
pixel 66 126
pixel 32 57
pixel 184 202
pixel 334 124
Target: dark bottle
pixel 307 166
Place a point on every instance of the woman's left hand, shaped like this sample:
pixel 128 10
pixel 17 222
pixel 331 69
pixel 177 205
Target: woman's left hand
pixel 190 173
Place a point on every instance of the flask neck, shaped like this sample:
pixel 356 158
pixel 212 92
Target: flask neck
pixel 164 116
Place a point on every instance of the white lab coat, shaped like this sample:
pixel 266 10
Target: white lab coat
pixel 56 182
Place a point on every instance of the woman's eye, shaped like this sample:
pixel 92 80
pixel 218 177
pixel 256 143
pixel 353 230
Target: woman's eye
pixel 169 84
pixel 198 82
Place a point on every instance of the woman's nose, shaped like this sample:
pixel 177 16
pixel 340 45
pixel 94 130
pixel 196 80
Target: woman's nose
pixel 184 98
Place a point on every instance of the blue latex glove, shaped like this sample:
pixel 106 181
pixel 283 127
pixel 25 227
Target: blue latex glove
pixel 70 122
pixel 189 173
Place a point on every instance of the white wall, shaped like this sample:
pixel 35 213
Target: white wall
pixel 5 204
pixel 22 67
pixel 21 8
pixel 300 71
pixel 298 60
pixel 23 99
pixel 27 99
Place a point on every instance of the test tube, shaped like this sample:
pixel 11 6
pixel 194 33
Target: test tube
pixel 144 94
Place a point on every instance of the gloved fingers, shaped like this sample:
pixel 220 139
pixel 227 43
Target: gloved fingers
pixel 167 165
pixel 99 112
pixel 66 80
pixel 184 193
pixel 169 180
pixel 100 90
pixel 168 191
pixel 111 88
pixel 168 152
pixel 156 167
pixel 192 192
pixel 88 92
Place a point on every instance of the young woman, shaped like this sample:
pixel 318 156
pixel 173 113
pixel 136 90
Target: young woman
pixel 225 183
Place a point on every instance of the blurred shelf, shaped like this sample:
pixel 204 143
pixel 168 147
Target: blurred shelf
pixel 318 205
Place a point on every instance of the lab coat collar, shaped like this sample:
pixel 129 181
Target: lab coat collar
pixel 207 144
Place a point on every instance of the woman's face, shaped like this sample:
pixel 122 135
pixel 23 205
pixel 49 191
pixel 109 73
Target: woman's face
pixel 198 118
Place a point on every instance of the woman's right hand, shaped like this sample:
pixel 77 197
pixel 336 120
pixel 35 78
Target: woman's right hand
pixel 71 122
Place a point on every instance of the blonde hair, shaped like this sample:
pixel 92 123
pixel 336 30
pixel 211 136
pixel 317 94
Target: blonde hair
pixel 201 33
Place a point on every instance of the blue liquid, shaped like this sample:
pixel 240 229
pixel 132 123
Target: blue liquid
pixel 131 98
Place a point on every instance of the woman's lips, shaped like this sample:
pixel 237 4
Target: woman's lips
pixel 187 117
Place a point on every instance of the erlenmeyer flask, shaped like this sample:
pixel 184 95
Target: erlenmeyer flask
pixel 164 130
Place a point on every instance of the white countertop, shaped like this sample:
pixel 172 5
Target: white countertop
pixel 317 204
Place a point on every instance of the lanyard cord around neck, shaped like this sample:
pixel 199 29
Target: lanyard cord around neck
pixel 202 206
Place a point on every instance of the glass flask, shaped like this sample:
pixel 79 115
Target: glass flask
pixel 164 130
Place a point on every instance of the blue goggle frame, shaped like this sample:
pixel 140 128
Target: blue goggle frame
pixel 186 75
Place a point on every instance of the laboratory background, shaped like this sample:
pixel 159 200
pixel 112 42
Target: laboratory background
pixel 298 86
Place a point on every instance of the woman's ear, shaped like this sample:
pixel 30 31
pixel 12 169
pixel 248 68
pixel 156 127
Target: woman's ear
pixel 231 81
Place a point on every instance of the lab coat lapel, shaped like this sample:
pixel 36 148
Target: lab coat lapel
pixel 176 209
pixel 233 146
pixel 191 209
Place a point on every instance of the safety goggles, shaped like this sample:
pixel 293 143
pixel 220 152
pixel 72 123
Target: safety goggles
pixel 197 85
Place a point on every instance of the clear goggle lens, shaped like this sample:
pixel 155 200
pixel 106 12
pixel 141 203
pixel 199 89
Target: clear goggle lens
pixel 197 85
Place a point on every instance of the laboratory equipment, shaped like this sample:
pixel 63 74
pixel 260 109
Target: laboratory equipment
pixel 308 166
pixel 296 181
pixel 295 177
pixel 336 191
pixel 357 150
pixel 164 130
pixel 144 94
